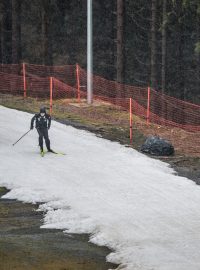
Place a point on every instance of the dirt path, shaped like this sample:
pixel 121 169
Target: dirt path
pixel 23 245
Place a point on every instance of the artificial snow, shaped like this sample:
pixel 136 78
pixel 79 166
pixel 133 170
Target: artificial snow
pixel 133 204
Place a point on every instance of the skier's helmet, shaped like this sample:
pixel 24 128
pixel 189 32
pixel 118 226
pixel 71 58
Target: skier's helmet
pixel 42 110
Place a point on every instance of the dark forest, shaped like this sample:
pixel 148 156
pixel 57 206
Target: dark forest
pixel 142 43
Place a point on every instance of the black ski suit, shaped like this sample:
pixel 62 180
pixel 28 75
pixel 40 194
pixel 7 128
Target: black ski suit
pixel 42 125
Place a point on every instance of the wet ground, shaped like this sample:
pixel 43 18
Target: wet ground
pixel 185 166
pixel 24 246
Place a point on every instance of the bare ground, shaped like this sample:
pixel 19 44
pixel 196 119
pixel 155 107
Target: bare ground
pixel 25 246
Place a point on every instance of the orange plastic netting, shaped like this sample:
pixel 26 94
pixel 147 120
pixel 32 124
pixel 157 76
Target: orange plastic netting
pixel 70 81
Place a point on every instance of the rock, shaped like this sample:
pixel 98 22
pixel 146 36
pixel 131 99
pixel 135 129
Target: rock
pixel 157 146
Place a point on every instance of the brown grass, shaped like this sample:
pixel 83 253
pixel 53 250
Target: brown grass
pixel 112 120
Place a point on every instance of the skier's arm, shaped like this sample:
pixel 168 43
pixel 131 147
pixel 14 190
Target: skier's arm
pixel 32 122
pixel 49 121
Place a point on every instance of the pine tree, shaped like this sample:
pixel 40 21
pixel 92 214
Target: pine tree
pixel 16 31
pixel 153 44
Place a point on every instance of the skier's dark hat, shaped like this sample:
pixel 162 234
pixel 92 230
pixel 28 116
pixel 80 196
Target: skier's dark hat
pixel 42 110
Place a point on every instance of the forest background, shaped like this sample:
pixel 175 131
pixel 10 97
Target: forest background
pixel 141 43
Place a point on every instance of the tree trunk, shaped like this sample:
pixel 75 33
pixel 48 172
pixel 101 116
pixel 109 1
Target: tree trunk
pixel 44 36
pixel 16 31
pixel 198 53
pixel 1 31
pixel 120 48
pixel 120 55
pixel 153 44
pixel 180 54
pixel 46 33
pixel 163 69
pixel 6 31
pixel 164 22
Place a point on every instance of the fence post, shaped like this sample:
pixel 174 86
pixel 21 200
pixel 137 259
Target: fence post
pixel 51 94
pixel 24 78
pixel 148 105
pixel 78 83
pixel 131 120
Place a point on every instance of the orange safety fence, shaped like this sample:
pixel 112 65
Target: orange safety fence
pixel 70 81
pixel 151 105
pixel 38 87
pixel 11 84
pixel 66 74
pixel 166 110
pixel 62 90
pixel 11 69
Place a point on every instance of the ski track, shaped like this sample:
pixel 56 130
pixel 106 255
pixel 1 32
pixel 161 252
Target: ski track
pixel 131 203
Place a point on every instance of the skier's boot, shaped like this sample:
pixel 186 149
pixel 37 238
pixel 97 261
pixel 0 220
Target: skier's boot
pixel 41 152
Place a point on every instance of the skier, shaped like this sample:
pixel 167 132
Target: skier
pixel 43 123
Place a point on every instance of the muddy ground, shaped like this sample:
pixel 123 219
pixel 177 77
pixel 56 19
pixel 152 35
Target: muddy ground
pixel 24 246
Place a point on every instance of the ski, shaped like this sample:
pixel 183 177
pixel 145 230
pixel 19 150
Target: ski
pixel 57 153
pixel 42 153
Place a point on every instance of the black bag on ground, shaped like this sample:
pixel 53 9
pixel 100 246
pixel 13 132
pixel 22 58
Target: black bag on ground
pixel 157 146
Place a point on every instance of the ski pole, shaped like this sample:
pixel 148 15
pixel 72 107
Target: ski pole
pixel 22 137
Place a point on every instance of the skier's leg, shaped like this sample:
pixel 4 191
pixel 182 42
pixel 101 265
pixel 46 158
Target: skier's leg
pixel 46 137
pixel 40 138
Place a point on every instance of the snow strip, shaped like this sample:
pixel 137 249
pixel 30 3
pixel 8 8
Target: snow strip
pixel 126 201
